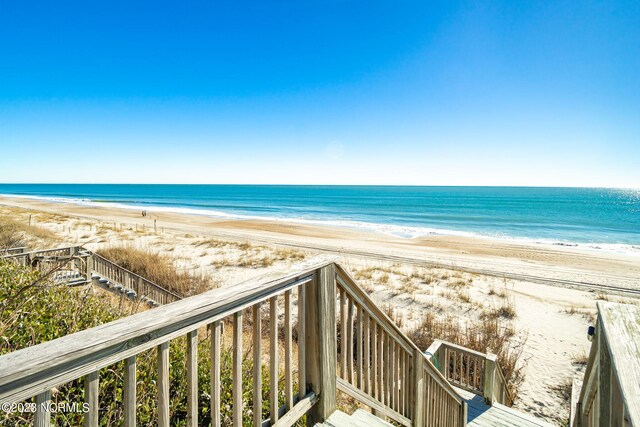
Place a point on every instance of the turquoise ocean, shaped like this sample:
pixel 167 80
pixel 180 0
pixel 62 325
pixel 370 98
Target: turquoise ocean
pixel 597 218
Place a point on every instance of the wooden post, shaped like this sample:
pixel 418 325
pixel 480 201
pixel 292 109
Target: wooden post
pixel 418 388
pixel 91 398
pixel 89 267
pixel 489 378
pixel 320 313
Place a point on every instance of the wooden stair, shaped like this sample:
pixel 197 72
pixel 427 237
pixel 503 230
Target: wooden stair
pixel 359 418
pixel 479 414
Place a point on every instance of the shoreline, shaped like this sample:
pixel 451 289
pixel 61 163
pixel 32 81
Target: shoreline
pixel 539 260
pixel 393 230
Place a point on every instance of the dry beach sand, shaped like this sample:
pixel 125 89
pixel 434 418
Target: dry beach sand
pixel 553 288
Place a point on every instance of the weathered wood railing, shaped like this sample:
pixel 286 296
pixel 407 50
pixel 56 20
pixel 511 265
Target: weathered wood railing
pixel 471 370
pixel 78 263
pixel 392 376
pixel 65 264
pixel 13 251
pixel 102 267
pixel 610 393
pixel 385 370
pixel 36 370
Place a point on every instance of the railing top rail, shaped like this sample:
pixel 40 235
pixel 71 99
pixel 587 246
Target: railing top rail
pixel 349 281
pixel 33 370
pixel 147 281
pixel 433 348
pixel 41 251
pixel 619 326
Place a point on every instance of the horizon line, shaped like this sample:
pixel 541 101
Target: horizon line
pixel 324 185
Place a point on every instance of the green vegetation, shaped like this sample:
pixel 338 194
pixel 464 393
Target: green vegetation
pixel 33 311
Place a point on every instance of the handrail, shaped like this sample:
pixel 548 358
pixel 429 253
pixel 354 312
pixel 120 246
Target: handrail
pixel 34 371
pixel 610 393
pixel 380 365
pixel 472 370
pixel 134 281
pixel 70 249
pixel 13 251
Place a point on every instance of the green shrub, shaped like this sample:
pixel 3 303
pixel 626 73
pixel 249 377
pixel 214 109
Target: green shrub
pixel 33 311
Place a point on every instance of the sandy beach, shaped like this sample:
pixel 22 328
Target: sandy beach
pixel 553 288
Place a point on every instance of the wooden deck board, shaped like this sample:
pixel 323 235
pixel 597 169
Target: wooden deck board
pixel 479 414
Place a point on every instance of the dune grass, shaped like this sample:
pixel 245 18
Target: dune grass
pixel 15 233
pixel 160 269
pixel 485 335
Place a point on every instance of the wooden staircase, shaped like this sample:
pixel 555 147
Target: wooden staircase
pixel 76 266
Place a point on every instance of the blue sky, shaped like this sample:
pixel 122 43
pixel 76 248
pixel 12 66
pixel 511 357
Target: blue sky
pixel 331 92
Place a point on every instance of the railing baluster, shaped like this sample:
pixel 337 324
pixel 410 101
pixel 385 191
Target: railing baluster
pixel 359 339
pixel 257 365
pixel 302 369
pixel 237 369
pixel 216 331
pixel 288 380
pixel 192 378
pixel 387 370
pixel 343 333
pixel 130 391
pixel 91 382
pixel 273 358
pixel 374 362
pixel 380 352
pixel 367 353
pixel 350 342
pixel 163 384
pixel 393 377
pixel 43 415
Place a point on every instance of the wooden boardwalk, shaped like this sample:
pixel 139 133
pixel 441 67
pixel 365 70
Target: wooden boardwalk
pixel 479 414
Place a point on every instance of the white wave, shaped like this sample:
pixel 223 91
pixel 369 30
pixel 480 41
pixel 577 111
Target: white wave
pixel 406 232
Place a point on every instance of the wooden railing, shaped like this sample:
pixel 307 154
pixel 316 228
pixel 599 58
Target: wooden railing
pixel 379 365
pixel 13 251
pixel 610 393
pixel 75 263
pixel 142 287
pixel 385 370
pixel 61 265
pixel 471 370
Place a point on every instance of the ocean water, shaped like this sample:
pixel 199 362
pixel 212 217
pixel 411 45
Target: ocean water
pixel 600 218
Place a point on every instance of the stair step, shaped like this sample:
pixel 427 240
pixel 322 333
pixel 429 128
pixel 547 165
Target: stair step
pixel 369 419
pixel 359 418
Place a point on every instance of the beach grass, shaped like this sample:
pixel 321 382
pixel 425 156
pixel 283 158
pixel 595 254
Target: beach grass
pixel 158 268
